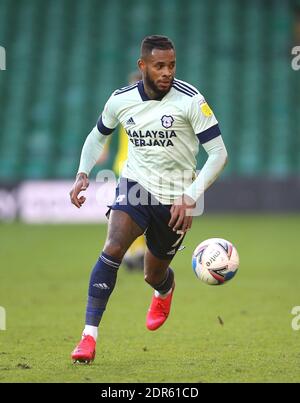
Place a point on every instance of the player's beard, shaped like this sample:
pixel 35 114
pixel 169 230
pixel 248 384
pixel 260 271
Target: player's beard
pixel 151 84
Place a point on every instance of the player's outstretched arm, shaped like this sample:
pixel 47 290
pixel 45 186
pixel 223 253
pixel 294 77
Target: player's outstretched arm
pixel 91 150
pixel 216 161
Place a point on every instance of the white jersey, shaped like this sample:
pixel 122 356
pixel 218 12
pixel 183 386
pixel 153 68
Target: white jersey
pixel 164 135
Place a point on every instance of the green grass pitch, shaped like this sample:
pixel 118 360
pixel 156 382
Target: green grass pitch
pixel 43 283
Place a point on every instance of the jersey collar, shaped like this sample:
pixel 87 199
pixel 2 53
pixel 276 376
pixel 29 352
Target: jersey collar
pixel 143 94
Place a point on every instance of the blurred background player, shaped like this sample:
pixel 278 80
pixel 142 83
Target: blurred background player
pixel 134 257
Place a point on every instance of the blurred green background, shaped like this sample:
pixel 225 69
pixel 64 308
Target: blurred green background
pixel 65 57
pixel 63 60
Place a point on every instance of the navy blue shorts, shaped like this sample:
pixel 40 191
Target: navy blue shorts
pixel 150 215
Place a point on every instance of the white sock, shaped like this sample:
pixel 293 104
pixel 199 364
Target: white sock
pixel 162 296
pixel 90 331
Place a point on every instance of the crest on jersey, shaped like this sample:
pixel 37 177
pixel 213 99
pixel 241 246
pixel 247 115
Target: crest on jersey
pixel 167 121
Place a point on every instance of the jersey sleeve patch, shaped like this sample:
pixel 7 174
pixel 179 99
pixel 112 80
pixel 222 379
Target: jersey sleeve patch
pixel 205 109
pixel 209 134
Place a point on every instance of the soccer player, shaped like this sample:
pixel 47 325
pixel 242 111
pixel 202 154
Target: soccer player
pixel 165 119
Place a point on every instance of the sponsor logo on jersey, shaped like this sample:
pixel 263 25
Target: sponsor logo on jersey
pixel 130 122
pixel 167 121
pixel 160 138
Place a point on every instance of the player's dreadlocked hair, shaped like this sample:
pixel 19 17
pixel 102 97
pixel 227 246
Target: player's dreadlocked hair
pixel 155 42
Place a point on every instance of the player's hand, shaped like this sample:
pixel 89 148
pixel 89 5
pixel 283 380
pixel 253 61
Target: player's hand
pixel 81 183
pixel 180 220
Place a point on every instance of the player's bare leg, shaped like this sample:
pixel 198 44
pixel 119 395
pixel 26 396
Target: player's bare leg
pixel 161 277
pixel 122 231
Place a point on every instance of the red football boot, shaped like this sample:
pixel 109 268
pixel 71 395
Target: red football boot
pixel 159 311
pixel 85 351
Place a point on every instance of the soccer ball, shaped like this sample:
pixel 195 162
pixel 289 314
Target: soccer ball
pixel 215 261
